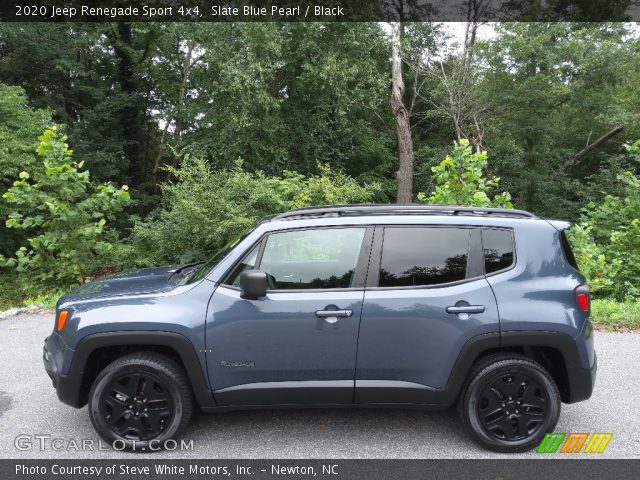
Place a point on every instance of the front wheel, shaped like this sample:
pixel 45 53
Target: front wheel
pixel 508 403
pixel 140 401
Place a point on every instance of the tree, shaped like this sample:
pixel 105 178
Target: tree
pixel 551 90
pixel 455 76
pixel 404 173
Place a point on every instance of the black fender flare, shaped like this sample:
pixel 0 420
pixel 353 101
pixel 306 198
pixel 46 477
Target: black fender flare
pixel 70 386
pixel 580 379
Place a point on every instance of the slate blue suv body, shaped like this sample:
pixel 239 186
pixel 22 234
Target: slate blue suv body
pixel 385 305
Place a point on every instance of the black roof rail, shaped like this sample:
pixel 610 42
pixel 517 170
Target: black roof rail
pixel 398 209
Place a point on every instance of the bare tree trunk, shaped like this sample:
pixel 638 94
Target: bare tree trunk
pixel 185 71
pixel 404 174
pixel 158 159
pixel 578 157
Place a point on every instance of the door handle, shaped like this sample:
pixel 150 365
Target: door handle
pixel 333 313
pixel 465 309
pixel 331 316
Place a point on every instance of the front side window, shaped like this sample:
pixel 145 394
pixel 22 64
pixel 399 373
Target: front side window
pixel 414 256
pixel 303 259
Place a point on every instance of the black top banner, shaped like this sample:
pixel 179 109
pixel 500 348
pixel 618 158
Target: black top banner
pixel 320 10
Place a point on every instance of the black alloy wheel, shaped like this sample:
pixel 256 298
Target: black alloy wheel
pixel 509 402
pixel 137 406
pixel 140 400
pixel 512 406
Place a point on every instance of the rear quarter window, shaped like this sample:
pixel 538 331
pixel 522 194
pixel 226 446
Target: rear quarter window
pixel 497 246
pixel 568 252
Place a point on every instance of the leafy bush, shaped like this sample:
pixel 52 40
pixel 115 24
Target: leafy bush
pixel 606 241
pixel 460 180
pixel 202 209
pixel 64 214
pixel 20 126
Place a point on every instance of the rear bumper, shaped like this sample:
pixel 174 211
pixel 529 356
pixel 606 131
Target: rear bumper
pixel 581 381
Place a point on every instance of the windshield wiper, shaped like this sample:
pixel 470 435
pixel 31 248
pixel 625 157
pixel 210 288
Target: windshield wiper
pixel 183 274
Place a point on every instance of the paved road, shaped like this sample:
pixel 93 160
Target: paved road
pixel 28 405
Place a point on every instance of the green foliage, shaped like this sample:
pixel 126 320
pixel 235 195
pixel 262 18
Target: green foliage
pixel 204 209
pixel 18 290
pixel 278 96
pixel 607 239
pixel 19 129
pixel 47 299
pixel 64 214
pixel 614 315
pixel 93 77
pixel 20 126
pixel 550 89
pixel 460 180
pixel 292 96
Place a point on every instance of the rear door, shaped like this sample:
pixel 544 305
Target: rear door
pixel 426 296
pixel 296 345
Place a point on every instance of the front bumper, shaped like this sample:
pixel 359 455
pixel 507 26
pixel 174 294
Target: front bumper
pixel 67 388
pixel 50 365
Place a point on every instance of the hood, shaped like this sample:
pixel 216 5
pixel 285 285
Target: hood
pixel 136 282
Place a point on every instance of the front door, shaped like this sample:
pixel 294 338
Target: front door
pixel 426 297
pixel 296 345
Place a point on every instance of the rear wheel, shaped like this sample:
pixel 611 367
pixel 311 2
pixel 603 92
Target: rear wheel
pixel 508 403
pixel 140 401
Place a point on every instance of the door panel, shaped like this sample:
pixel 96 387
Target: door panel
pixel 296 345
pixel 276 350
pixel 407 336
pixel 426 298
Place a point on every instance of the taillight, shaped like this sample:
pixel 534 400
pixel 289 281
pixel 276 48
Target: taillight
pixel 62 319
pixel 582 298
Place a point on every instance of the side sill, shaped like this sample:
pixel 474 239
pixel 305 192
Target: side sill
pixel 383 392
pixel 291 406
pixel 286 393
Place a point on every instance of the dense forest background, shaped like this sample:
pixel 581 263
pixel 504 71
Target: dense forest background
pixel 212 125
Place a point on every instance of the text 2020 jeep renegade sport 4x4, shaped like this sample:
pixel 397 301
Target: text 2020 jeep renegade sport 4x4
pixel 405 305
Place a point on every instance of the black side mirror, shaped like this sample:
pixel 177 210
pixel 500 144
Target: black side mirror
pixel 253 284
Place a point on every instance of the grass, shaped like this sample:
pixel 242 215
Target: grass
pixel 44 300
pixel 616 316
pixel 13 294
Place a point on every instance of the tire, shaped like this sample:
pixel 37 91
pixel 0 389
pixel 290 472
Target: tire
pixel 140 401
pixel 489 408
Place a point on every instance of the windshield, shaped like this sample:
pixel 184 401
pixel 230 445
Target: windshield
pixel 206 267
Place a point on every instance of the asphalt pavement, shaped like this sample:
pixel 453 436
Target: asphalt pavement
pixel 34 424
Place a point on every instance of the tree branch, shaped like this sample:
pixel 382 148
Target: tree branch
pixel 578 157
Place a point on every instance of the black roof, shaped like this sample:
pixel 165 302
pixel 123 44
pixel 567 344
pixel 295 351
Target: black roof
pixel 399 209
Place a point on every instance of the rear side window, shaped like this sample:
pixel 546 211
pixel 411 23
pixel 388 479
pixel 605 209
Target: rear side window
pixel 497 246
pixel 413 256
